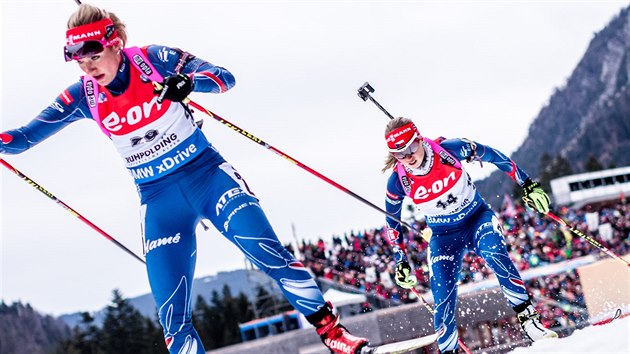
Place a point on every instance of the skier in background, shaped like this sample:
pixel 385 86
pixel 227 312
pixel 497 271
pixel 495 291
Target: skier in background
pixel 181 178
pixel 430 173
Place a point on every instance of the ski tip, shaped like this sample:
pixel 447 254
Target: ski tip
pixel 400 347
pixel 367 349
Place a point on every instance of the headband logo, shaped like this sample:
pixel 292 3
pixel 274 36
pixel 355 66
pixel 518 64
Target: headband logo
pixel 393 137
pixel 78 37
pixel 109 31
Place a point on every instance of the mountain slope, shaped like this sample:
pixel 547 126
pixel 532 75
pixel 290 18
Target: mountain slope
pixel 590 115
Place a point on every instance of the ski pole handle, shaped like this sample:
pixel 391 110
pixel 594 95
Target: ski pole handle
pixel 364 93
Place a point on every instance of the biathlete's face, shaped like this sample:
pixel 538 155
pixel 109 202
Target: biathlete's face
pixel 102 66
pixel 96 47
pixel 413 156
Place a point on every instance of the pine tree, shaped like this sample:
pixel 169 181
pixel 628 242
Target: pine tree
pixel 124 331
pixel 86 338
pixel 155 337
pixel 592 164
pixel 203 322
pixel 561 167
pixel 265 303
pixel 245 312
pixel 553 168
pixel 216 320
pixel 25 331
pixel 124 327
pixel 217 323
pixel 208 320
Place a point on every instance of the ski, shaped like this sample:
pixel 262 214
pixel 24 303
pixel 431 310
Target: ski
pixel 603 322
pixel 400 347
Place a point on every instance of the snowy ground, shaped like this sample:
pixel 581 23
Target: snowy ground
pixel 610 338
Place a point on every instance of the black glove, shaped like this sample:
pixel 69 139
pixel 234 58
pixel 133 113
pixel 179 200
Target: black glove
pixel 174 88
pixel 535 196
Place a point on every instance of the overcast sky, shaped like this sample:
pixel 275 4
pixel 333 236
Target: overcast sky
pixel 480 70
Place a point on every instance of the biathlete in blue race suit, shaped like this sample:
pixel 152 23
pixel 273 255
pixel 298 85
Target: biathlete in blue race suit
pixel 430 173
pixel 180 176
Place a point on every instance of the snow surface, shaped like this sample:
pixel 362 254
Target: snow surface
pixel 609 338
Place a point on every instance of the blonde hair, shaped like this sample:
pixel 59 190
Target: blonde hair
pixel 390 160
pixel 88 14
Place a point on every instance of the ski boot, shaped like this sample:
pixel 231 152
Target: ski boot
pixel 530 323
pixel 335 336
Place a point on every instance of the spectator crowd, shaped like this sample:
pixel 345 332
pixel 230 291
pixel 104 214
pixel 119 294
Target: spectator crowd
pixel 363 260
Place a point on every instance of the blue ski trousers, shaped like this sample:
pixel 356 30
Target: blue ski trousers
pixel 482 233
pixel 172 207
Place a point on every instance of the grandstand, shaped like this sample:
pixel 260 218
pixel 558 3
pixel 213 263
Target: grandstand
pixel 591 187
pixel 564 274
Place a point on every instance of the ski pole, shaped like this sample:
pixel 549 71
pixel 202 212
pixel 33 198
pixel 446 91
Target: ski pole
pixel 590 240
pixel 264 144
pixel 432 310
pixel 69 209
pixel 364 94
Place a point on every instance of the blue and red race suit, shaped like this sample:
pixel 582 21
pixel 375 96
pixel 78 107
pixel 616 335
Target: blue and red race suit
pixel 460 220
pixel 181 179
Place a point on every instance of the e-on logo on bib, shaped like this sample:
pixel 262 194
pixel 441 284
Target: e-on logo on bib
pixel 136 115
pixel 437 188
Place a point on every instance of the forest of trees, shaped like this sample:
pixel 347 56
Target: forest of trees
pixel 23 330
pixel 126 331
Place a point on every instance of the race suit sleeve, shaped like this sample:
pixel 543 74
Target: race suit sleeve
pixel 68 107
pixel 206 77
pixel 464 149
pixel 393 205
